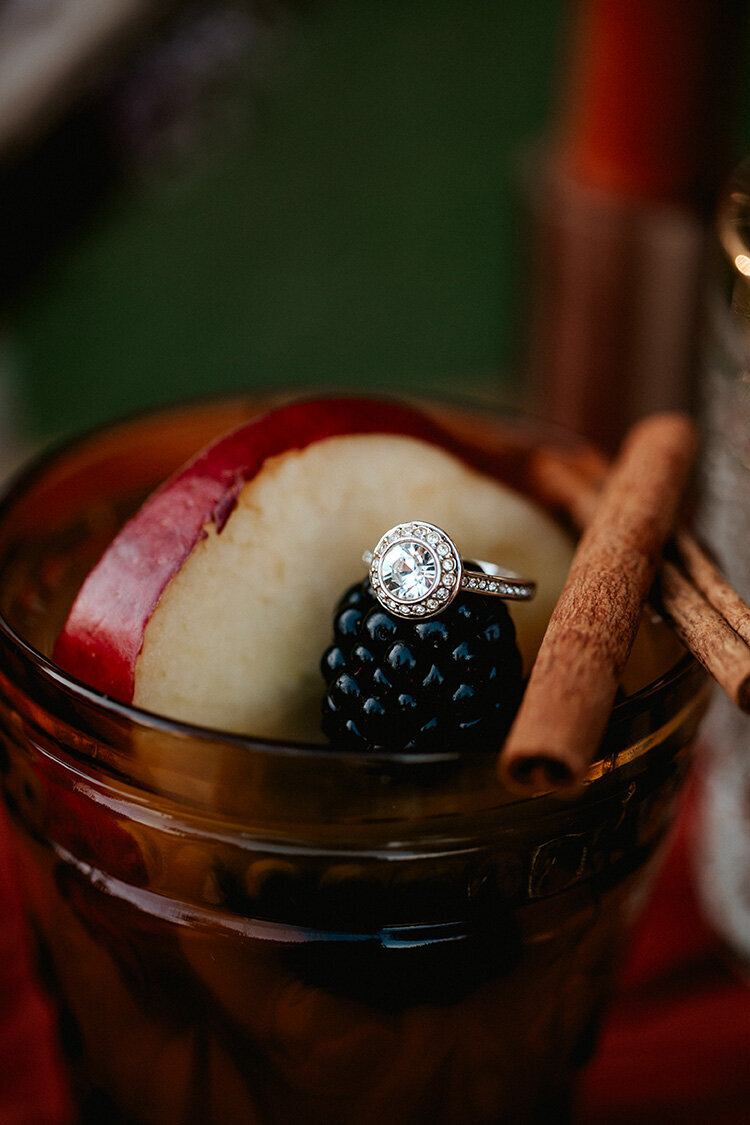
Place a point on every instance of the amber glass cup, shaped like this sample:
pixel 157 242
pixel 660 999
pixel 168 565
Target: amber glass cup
pixel 243 931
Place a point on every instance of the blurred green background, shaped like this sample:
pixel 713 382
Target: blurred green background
pixel 355 223
pixel 354 219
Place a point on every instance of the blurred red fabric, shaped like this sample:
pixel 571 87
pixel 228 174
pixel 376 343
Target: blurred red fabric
pixel 32 1085
pixel 675 1048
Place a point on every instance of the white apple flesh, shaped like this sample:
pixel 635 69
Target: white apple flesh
pixel 214 603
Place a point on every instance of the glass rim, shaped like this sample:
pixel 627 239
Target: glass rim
pixel 622 711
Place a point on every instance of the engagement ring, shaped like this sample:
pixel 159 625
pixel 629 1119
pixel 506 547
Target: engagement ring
pixel 416 571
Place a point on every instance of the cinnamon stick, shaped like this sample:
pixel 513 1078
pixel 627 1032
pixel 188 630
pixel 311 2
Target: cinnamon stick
pixel 574 679
pixel 570 485
pixel 705 611
pixel 713 585
pixel 708 635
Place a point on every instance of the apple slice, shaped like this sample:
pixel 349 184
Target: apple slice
pixel 213 604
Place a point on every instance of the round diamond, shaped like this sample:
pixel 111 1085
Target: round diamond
pixel 409 570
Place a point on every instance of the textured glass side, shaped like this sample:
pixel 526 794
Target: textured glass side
pixel 723 840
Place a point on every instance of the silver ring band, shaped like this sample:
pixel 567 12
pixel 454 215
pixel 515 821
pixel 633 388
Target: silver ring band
pixel 416 571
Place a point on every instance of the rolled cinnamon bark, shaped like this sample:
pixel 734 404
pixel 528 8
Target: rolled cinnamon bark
pixel 706 575
pixel 574 679
pixel 701 628
pixel 704 610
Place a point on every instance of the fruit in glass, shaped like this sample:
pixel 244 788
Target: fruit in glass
pixel 239 928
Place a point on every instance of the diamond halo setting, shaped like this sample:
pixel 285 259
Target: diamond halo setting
pixel 415 570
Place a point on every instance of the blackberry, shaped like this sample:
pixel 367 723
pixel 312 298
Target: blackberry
pixel 451 682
